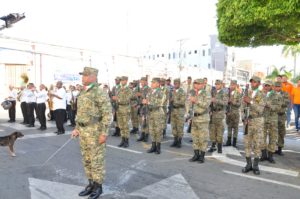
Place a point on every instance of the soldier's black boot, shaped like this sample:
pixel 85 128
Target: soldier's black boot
pixel 228 143
pixel 117 132
pixel 248 166
pixel 279 151
pixel 270 157
pixel 164 133
pixel 212 148
pixel 153 148
pixel 122 142
pixel 201 157
pixel 134 130
pixel 179 143
pixel 126 143
pixel 190 128
pixel 88 189
pixel 264 155
pixel 141 138
pixel 255 166
pixel 158 148
pixel 146 137
pixel 219 147
pixel 96 192
pixel 174 144
pixel 195 157
pixel 234 142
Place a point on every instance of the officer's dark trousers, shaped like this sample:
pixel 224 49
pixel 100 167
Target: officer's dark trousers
pixel 60 115
pixel 30 113
pixel 12 111
pixel 41 109
pixel 24 112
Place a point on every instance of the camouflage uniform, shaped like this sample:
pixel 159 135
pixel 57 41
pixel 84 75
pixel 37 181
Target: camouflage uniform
pixel 165 91
pixel 93 117
pixel 134 110
pixel 124 94
pixel 177 114
pixel 143 114
pixel 233 116
pixel 217 118
pixel 115 107
pixel 200 122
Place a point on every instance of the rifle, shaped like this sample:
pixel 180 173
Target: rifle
pixel 246 111
pixel 171 104
pixel 144 110
pixel 211 106
pixel 228 108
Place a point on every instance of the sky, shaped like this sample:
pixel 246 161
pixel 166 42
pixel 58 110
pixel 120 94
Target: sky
pixel 122 26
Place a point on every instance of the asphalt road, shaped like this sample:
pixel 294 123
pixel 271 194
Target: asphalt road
pixel 45 169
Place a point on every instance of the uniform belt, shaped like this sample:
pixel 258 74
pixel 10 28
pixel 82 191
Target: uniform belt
pixel 153 109
pixel 281 114
pixel 254 117
pixel 175 107
pixel 93 121
pixel 82 124
pixel 199 114
pixel 217 110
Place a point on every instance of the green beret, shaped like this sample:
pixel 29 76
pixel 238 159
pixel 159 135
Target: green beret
pixel 255 78
pixel 199 81
pixel 124 78
pixel 218 82
pixel 278 84
pixel 156 79
pixel 177 80
pixel 233 82
pixel 89 71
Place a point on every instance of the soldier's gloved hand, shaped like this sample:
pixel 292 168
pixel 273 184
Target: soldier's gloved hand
pixel 102 139
pixel 75 133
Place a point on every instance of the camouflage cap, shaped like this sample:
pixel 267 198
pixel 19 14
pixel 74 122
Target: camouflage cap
pixel 124 78
pixel 144 78
pixel 176 80
pixel 255 78
pixel 156 79
pixel 135 81
pixel 233 82
pixel 162 80
pixel 168 79
pixel 118 78
pixel 268 82
pixel 217 82
pixel 278 84
pixel 89 71
pixel 199 81
pixel 189 77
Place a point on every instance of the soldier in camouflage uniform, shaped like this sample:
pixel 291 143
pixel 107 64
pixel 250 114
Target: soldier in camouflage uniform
pixel 207 87
pixel 143 110
pixel 122 98
pixel 233 113
pixel 219 102
pixel 154 102
pixel 272 107
pixel 178 101
pixel 254 102
pixel 187 88
pixel 112 93
pixel 166 94
pixel 200 100
pixel 134 103
pixel 92 125
pixel 281 116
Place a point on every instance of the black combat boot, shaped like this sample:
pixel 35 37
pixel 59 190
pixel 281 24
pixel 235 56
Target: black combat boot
pixel 174 144
pixel 195 157
pixel 96 192
pixel 122 142
pixel 279 151
pixel 164 133
pixel 255 166
pixel 141 138
pixel 270 157
pixel 201 157
pixel 158 148
pixel 117 132
pixel 234 142
pixel 189 128
pixel 153 148
pixel 228 143
pixel 264 155
pixel 134 130
pixel 179 143
pixel 146 137
pixel 219 147
pixel 126 143
pixel 248 166
pixel 212 148
pixel 88 189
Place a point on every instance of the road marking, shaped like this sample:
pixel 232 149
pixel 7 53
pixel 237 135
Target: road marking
pixel 171 188
pixel 291 151
pixel 123 149
pixel 40 135
pixel 125 177
pixel 262 179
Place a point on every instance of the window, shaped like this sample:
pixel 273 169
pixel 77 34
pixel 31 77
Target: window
pixel 149 57
pixel 174 55
pixel 157 55
pixel 184 54
pixel 169 56
pixel 195 65
pixel 203 53
pixel 153 57
pixel 179 54
pixel 162 55
pixel 208 66
pixel 209 53
pixel 195 51
pixel 190 52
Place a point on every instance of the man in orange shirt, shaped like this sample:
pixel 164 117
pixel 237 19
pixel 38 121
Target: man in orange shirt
pixel 287 87
pixel 296 104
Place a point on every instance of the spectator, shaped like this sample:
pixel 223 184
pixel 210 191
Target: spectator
pixel 12 96
pixel 42 97
pixel 296 104
pixel 31 103
pixel 287 87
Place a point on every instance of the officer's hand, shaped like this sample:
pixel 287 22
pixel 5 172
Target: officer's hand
pixel 102 139
pixel 114 98
pixel 247 99
pixel 138 94
pixel 193 99
pixel 213 99
pixel 145 101
pixel 75 133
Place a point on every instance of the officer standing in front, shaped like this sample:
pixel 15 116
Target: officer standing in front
pixel 92 125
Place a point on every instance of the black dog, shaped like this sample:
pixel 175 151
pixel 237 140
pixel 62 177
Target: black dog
pixel 9 141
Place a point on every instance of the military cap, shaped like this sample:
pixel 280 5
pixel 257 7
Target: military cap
pixel 124 78
pixel 156 79
pixel 233 82
pixel 218 82
pixel 169 79
pixel 118 78
pixel 135 81
pixel 199 81
pixel 162 80
pixel 278 84
pixel 255 78
pixel 176 80
pixel 89 71
pixel 144 78
pixel 189 77
pixel 268 82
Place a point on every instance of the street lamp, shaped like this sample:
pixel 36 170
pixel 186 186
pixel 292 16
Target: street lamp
pixel 10 19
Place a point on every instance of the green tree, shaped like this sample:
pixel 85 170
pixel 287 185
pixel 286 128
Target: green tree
pixel 258 22
pixel 277 72
pixel 294 51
